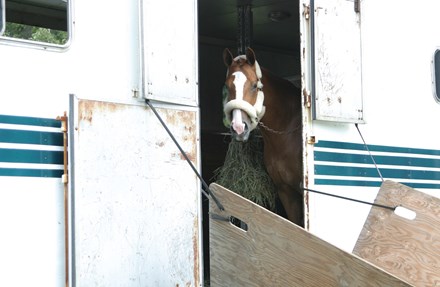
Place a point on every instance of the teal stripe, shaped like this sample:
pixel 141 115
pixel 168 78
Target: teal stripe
pixel 381 148
pixel 366 159
pixel 31 156
pixel 30 121
pixel 31 137
pixel 372 172
pixel 15 136
pixel 342 182
pixel 31 172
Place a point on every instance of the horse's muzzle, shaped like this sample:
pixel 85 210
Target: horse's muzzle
pixel 240 125
pixel 242 137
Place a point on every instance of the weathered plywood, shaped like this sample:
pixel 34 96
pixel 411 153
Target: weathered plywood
pixel 275 252
pixel 409 249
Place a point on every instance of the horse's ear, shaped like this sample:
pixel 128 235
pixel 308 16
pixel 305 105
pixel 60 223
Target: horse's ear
pixel 250 56
pixel 227 57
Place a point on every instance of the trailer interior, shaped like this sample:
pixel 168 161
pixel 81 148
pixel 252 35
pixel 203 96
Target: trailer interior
pixel 274 36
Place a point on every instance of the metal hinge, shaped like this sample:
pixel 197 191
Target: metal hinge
pixel 357 6
pixel 307 98
pixel 306 11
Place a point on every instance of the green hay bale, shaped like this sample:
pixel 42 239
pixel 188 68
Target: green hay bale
pixel 244 172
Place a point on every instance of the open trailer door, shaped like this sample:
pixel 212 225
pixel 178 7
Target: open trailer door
pixel 332 84
pixel 136 200
pixel 336 60
pixel 169 51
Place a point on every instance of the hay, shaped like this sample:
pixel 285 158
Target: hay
pixel 244 172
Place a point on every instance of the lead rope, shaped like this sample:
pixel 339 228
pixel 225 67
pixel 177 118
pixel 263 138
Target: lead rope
pixel 208 192
pixel 350 199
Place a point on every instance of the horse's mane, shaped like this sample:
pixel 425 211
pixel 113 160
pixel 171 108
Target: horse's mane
pixel 281 82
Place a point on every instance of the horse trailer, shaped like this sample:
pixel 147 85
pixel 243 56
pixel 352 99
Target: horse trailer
pixel 108 137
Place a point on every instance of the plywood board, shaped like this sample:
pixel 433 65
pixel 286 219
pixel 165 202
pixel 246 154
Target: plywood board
pixel 409 249
pixel 276 252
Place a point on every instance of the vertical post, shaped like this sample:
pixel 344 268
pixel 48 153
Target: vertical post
pixel 244 31
pixel 65 180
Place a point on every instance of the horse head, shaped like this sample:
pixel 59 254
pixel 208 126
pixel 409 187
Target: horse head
pixel 243 99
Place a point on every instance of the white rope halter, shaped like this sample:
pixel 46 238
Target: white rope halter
pixel 256 111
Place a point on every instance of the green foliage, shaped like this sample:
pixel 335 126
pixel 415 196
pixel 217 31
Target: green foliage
pixel 33 33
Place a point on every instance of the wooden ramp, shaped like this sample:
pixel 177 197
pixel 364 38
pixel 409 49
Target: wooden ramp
pixel 409 249
pixel 276 252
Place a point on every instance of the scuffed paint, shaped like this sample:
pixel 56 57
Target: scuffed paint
pixel 137 201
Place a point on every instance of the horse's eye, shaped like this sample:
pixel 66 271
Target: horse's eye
pixel 254 86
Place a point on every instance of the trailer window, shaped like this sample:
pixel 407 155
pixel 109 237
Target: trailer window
pixel 2 16
pixel 436 75
pixel 43 21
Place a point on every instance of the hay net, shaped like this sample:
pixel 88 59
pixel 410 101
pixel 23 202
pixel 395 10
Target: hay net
pixel 244 172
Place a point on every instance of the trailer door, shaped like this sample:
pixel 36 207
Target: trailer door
pixel 136 200
pixel 169 51
pixel 336 60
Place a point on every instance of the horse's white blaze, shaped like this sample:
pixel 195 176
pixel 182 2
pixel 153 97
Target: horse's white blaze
pixel 252 113
pixel 237 120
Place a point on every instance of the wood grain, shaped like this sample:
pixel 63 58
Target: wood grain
pixel 276 252
pixel 409 249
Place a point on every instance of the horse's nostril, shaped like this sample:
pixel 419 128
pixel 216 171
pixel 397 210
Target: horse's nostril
pixel 246 128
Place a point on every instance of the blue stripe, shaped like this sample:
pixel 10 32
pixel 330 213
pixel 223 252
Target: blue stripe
pixel 31 156
pixel 14 136
pixel 31 137
pixel 381 148
pixel 366 159
pixel 342 157
pixel 30 121
pixel 372 172
pixel 342 182
pixel 31 172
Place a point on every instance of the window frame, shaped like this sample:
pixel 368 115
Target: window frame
pixel 436 75
pixel 33 43
pixel 2 17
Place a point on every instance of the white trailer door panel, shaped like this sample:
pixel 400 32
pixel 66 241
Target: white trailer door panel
pixel 136 199
pixel 169 33
pixel 336 61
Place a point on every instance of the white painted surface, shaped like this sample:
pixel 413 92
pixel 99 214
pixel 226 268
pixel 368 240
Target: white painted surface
pixel 32 232
pixel 170 51
pixel 137 201
pixel 338 79
pixel 399 106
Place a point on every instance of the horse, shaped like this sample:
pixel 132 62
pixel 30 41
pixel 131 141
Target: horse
pixel 257 98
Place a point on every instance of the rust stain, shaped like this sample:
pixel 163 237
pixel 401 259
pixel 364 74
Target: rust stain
pixel 191 156
pixel 87 108
pixel 184 120
pixel 196 251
